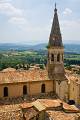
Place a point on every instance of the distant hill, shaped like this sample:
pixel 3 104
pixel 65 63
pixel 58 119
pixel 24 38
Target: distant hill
pixel 10 46
pixel 70 48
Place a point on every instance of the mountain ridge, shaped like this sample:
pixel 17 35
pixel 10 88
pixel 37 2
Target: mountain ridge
pixel 42 46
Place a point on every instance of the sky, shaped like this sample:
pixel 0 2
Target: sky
pixel 29 21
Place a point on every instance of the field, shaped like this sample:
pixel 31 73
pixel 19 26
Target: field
pixel 71 59
pixel 23 59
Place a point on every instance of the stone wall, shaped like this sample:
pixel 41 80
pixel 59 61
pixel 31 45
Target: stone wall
pixel 33 88
pixel 61 90
pixel 74 92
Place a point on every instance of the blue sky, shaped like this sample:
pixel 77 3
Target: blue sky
pixel 29 21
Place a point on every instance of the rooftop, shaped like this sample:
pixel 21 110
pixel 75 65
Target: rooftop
pixel 26 105
pixel 50 103
pixel 30 110
pixel 8 70
pixel 23 76
pixel 30 113
pixel 60 115
pixel 73 77
pixel 38 106
pixel 10 112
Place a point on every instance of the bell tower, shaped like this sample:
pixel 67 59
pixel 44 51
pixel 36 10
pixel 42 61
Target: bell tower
pixel 55 61
pixel 55 49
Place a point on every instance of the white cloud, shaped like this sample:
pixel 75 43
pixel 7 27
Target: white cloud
pixel 9 10
pixel 17 20
pixel 70 29
pixel 15 15
pixel 71 23
pixel 67 11
pixel 5 1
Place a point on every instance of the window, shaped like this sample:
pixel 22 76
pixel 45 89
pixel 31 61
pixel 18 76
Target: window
pixel 24 90
pixel 52 57
pixel 43 88
pixel 58 57
pixel 5 91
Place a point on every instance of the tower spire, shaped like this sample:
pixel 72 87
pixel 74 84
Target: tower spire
pixel 55 5
pixel 55 35
pixel 55 10
pixel 55 61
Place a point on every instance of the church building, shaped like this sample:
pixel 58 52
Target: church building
pixel 14 83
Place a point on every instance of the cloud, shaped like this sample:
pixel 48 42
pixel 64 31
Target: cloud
pixel 15 15
pixel 67 11
pixel 17 20
pixel 1 1
pixel 9 10
pixel 71 23
pixel 70 29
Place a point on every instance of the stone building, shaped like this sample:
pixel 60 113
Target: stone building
pixel 56 59
pixel 74 88
pixel 19 83
pixel 33 82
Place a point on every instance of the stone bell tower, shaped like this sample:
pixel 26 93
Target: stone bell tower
pixel 55 62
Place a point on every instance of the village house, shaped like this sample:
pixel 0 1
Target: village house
pixel 74 88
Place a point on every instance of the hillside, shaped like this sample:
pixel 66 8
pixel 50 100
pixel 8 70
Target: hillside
pixel 70 48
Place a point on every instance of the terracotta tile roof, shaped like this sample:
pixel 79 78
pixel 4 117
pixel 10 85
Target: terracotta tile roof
pixel 9 70
pixel 28 110
pixel 12 115
pixel 68 71
pixel 48 103
pixel 23 76
pixel 60 115
pixel 26 105
pixel 57 103
pixel 38 105
pixel 15 112
pixel 73 77
pixel 10 112
pixel 70 108
pixel 35 104
pixel 30 113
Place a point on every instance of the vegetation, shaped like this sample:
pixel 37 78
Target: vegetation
pixel 23 59
pixel 72 59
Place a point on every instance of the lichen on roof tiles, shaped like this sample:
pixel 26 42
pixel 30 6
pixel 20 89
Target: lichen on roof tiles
pixel 23 76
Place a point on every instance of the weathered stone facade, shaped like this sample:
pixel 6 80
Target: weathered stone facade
pixel 56 60
pixel 22 83
pixel 74 88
